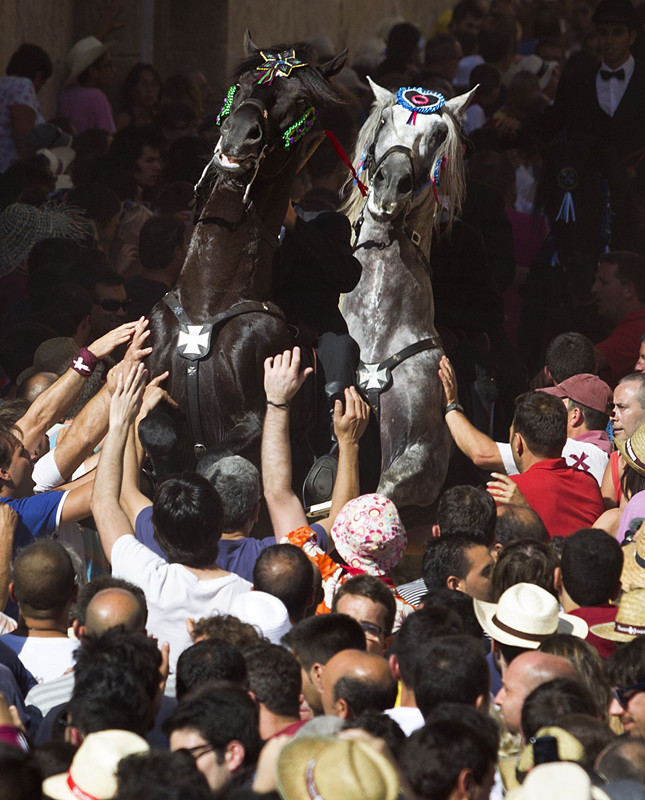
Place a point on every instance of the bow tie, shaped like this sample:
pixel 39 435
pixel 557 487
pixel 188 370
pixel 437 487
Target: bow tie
pixel 606 74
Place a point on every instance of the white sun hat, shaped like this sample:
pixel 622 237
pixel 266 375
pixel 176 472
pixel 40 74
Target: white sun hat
pixel 83 54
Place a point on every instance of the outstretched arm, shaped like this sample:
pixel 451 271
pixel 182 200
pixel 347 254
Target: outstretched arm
pixel 479 448
pixel 111 520
pixel 53 403
pixel 349 426
pixel 282 379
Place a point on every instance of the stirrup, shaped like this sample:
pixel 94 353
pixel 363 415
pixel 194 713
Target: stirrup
pixel 319 483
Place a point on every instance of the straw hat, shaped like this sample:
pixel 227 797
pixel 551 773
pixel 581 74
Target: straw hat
pixel 633 450
pixel 633 574
pixel 83 54
pixel 328 769
pixel 369 535
pixel 93 770
pixel 630 619
pixel 53 355
pixel 569 748
pixel 560 780
pixel 525 616
pixel 22 226
pixel 265 612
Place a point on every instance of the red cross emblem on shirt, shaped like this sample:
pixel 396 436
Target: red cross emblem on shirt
pixel 578 462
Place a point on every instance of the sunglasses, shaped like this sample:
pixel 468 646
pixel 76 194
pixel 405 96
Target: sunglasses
pixel 110 304
pixel 625 693
pixel 371 629
pixel 198 751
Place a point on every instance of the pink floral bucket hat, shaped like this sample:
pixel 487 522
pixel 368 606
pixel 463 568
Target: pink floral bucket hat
pixel 369 535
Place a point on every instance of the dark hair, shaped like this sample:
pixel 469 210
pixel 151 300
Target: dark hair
pixel 402 39
pixel 362 694
pixel 524 561
pixel 158 239
pixel 631 482
pixel 382 726
pixel 220 712
pixel 551 701
pixel 487 78
pixel 28 61
pixel 373 589
pixel 468 508
pixel 89 278
pixel 623 760
pixel 8 444
pixel 284 571
pixel 52 758
pixel 65 307
pixel 44 579
pixel 485 724
pixel 20 775
pixel 161 775
pixel 176 111
pixel 10 412
pixel 174 198
pixel 434 756
pixel 428 622
pixel 108 697
pixel 593 734
pixel 450 669
pixel 186 159
pixel 131 80
pixel 466 8
pixel 101 582
pixel 127 146
pixel 439 47
pixel 491 169
pixel 186 515
pixel 209 660
pixel 570 354
pixel 462 604
pixel 626 665
pixel 594 420
pixel 582 554
pixel 274 678
pixel 495 45
pixel 227 627
pixel 131 651
pixel 541 419
pixel 237 484
pixel 630 269
pixel 100 203
pixel 519 523
pixel 316 639
pixel 446 556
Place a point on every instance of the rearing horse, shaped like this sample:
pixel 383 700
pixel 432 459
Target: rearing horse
pixel 215 329
pixel 410 149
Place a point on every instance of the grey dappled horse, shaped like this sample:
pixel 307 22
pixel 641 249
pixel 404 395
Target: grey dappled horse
pixel 410 149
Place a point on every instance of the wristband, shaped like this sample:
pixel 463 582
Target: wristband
pixel 278 405
pixel 453 407
pixel 85 363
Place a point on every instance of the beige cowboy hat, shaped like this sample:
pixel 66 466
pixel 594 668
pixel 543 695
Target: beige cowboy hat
pixel 52 355
pixel 525 616
pixel 83 54
pixel 633 574
pixel 559 780
pixel 633 450
pixel 329 768
pixel 93 770
pixel 630 619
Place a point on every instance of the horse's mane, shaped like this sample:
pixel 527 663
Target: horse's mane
pixel 452 176
pixel 318 88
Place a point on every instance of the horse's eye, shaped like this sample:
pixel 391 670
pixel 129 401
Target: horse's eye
pixel 382 120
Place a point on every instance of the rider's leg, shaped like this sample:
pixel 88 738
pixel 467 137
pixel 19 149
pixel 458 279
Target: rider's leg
pixel 338 354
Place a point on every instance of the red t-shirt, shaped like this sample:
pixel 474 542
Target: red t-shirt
pixel 596 615
pixel 621 346
pixel 566 499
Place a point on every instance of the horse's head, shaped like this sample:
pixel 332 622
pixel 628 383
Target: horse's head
pixel 271 107
pixel 411 148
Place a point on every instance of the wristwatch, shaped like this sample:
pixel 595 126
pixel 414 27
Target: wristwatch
pixel 453 407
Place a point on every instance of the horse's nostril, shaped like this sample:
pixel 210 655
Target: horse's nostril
pixel 405 185
pixel 379 176
pixel 255 133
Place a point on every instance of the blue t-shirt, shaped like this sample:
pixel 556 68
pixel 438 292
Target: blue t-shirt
pixel 37 516
pixel 234 555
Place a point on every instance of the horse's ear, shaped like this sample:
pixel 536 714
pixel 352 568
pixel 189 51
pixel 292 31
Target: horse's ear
pixel 250 48
pixel 383 96
pixel 459 104
pixel 333 67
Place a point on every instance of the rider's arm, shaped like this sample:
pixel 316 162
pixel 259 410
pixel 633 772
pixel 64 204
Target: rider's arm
pixel 52 404
pixel 479 448
pixel 349 426
pixel 282 379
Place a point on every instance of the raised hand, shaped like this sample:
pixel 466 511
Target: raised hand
pixel 106 344
pixel 136 351
pixel 282 376
pixel 127 397
pixel 504 490
pixel 154 394
pixel 350 424
pixel 448 381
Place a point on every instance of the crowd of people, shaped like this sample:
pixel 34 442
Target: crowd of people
pixel 170 638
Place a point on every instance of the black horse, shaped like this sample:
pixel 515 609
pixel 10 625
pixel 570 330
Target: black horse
pixel 216 328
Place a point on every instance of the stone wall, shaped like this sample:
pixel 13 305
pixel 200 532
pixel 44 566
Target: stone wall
pixel 190 34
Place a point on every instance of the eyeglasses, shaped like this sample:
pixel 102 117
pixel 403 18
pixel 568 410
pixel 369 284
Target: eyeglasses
pixel 371 629
pixel 110 304
pixel 198 751
pixel 625 693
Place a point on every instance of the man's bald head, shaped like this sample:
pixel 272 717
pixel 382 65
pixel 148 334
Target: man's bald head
pixel 35 385
pixel 44 582
pixel 354 681
pixel 110 608
pixel 525 673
